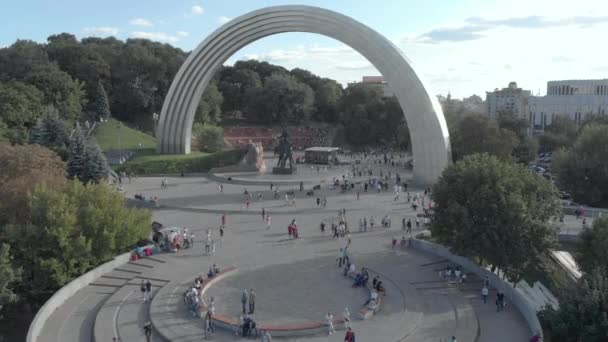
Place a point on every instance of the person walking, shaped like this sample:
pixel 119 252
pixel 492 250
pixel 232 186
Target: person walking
pixel 484 294
pixel 409 226
pixel 148 331
pixel 251 301
pixel 340 257
pixel 148 290
pixel 244 301
pixel 346 315
pixel 263 214
pixel 142 287
pixel 329 319
pixel 350 335
pixel 500 298
pixel 268 222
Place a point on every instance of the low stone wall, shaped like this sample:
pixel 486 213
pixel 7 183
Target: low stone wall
pixel 511 293
pixel 68 291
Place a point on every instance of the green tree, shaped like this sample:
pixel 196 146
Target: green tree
pixel 60 90
pixel 582 170
pixel 52 132
pixel 283 99
pixel 68 232
pixel 8 277
pixel 478 134
pixel 327 101
pixel 592 251
pixel 80 61
pixel 497 211
pixel 209 138
pixel 518 125
pixel 17 60
pixel 526 150
pixel 102 104
pixel 561 133
pixel 209 109
pixel 20 104
pixel 583 312
pixel 368 117
pixel 96 166
pixel 235 86
pixel 77 155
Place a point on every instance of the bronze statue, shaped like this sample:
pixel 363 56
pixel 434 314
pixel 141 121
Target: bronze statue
pixel 284 151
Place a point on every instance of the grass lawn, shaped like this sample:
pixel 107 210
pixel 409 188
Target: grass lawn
pixel 165 157
pixel 176 163
pixel 113 135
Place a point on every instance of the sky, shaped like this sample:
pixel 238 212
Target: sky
pixel 461 47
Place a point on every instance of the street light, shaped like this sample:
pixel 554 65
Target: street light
pixel 118 125
pixel 155 117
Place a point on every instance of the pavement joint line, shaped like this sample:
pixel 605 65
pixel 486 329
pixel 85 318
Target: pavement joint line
pixel 140 265
pixel 154 259
pixel 149 278
pixel 442 261
pixel 128 271
pixel 113 277
pixel 107 285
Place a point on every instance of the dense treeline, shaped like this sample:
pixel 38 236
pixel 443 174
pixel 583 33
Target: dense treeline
pixel 94 78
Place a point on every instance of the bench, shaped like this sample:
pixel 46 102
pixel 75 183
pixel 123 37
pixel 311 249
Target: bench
pixel 367 312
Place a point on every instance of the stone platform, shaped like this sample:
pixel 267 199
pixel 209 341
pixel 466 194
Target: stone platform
pixel 418 306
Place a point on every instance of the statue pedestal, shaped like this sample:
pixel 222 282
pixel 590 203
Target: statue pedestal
pixel 282 171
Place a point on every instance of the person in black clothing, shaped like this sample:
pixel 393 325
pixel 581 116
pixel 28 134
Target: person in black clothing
pixel 149 289
pixel 148 331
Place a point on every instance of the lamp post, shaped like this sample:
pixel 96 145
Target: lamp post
pixel 118 126
pixel 155 117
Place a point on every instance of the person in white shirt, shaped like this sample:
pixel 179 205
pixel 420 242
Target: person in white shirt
pixel 329 318
pixel 346 315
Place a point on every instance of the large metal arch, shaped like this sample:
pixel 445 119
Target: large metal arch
pixel 428 128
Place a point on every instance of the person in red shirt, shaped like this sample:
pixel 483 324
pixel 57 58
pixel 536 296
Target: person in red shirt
pixel 350 336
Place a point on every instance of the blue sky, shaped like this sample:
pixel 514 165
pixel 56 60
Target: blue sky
pixel 464 47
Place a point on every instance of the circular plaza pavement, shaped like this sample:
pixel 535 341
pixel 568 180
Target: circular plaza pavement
pixel 295 280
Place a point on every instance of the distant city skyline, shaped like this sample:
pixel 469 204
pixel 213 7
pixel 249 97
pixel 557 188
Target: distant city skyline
pixel 463 48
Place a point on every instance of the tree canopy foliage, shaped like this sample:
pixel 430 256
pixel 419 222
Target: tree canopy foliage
pixel 22 168
pixel 582 170
pixel 369 117
pixel 495 210
pixel 68 232
pixel 474 133
pixel 84 79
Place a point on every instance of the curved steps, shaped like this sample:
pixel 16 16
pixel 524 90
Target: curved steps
pixel 124 313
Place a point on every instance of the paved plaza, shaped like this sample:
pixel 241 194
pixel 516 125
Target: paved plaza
pixel 295 280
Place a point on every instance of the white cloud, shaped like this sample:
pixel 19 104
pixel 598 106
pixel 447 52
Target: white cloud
pixel 223 19
pixel 183 34
pixel 141 22
pixel 197 10
pixel 158 36
pixel 101 31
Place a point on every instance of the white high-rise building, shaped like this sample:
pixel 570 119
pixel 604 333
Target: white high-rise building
pixel 512 99
pixel 572 98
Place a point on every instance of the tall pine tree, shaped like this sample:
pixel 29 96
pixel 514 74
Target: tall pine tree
pixel 96 167
pixel 52 132
pixel 77 154
pixel 102 104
